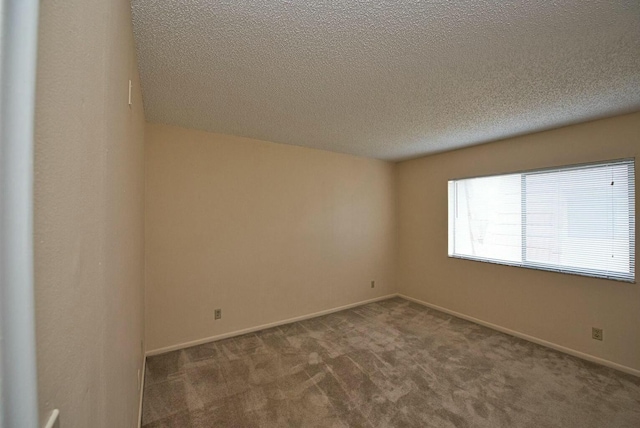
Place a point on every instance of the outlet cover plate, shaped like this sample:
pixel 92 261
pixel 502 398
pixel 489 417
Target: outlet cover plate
pixel 596 333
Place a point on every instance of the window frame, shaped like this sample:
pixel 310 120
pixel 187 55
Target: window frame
pixel 601 274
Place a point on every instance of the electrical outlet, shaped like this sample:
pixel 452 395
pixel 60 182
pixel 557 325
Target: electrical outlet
pixel 218 314
pixel 596 333
pixel 139 380
pixel 373 284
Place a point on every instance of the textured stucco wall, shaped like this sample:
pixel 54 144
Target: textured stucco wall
pixel 88 215
pixel 265 231
pixel 555 307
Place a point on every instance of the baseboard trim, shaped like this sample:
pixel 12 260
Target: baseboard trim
pixel 533 339
pixel 264 326
pixel 144 369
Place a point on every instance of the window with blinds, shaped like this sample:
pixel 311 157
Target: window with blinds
pixel 575 219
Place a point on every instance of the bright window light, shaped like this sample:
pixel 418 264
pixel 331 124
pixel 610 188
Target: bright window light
pixel 575 219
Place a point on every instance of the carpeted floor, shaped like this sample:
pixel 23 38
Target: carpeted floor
pixel 388 364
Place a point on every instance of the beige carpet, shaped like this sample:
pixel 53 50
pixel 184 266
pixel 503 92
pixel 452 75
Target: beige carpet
pixel 387 364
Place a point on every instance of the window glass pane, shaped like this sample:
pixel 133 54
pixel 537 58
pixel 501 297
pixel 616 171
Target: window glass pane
pixel 579 218
pixel 487 220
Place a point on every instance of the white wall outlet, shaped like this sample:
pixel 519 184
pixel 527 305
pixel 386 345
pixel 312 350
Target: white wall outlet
pixel 597 333
pixel 217 314
pixel 373 284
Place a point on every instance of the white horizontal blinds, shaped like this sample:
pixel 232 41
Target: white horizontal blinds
pixel 578 219
pixel 487 218
pixel 581 219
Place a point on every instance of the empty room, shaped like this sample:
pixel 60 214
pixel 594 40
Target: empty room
pixel 343 213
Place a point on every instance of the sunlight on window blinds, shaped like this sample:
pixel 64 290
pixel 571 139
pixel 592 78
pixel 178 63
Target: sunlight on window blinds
pixel 576 219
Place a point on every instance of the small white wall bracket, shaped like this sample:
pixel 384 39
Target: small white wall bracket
pixel 53 419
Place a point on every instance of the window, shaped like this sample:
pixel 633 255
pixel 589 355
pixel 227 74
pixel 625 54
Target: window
pixel 575 219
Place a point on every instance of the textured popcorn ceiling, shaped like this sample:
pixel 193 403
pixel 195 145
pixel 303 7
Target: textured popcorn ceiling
pixel 386 79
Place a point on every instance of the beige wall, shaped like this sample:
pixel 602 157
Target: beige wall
pixel 264 231
pixel 555 307
pixel 88 215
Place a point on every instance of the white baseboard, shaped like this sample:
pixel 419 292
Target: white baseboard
pixel 264 326
pixel 144 369
pixel 533 339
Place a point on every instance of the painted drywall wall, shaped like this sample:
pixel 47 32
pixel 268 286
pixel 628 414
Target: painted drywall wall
pixel 555 307
pixel 89 203
pixel 264 231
